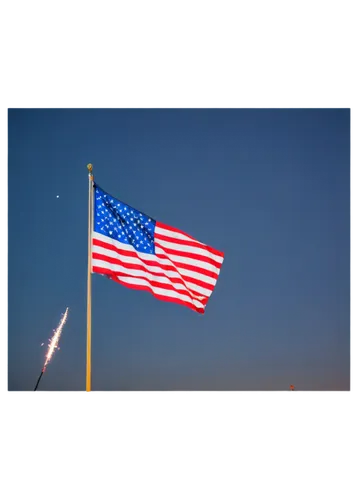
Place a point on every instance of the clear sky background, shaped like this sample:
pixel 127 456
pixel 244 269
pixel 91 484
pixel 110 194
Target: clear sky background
pixel 270 188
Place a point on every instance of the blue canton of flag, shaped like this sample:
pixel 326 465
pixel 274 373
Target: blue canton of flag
pixel 119 221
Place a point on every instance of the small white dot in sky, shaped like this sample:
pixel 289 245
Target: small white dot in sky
pixel 58 196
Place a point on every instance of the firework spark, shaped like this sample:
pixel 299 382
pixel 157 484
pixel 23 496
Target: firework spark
pixel 53 345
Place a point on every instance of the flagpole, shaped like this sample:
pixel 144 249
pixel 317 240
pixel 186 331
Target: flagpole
pixel 89 276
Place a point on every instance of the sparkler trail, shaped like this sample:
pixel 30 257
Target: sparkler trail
pixel 55 338
pixel 53 345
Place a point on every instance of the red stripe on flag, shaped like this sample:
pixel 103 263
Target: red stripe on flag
pixel 174 229
pixel 147 271
pixel 140 267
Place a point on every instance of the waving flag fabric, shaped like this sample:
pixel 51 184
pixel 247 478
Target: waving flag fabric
pixel 135 250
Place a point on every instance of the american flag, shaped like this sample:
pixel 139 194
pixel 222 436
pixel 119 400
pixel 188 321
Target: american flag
pixel 139 252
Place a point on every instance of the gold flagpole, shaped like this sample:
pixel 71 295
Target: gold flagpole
pixel 89 275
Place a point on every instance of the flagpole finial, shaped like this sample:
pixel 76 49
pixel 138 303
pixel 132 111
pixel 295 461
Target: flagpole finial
pixel 90 168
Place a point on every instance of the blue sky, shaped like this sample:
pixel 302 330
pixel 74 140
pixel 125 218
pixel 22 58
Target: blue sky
pixel 269 188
